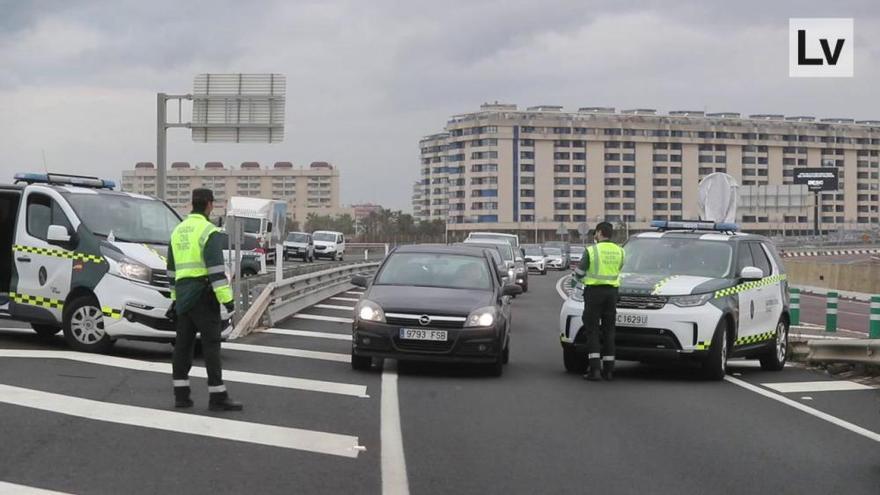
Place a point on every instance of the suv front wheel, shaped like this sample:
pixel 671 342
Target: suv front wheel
pixel 774 359
pixel 715 365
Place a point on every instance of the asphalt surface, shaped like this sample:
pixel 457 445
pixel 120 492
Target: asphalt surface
pixel 655 429
pixel 851 315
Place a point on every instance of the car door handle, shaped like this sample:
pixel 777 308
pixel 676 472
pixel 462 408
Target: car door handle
pixel 24 259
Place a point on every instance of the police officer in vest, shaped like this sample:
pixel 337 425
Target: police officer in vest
pixel 599 271
pixel 199 287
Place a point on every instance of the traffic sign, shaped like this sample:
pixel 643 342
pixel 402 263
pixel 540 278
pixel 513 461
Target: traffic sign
pixel 238 108
pixel 583 229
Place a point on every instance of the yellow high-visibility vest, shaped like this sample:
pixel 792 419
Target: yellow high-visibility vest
pixel 606 260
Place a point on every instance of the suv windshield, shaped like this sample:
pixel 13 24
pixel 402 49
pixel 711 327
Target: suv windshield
pixel 324 236
pixel 509 239
pixel 553 251
pixel 130 219
pixel 436 270
pixel 534 251
pixel 503 248
pixel 677 256
pixel 297 237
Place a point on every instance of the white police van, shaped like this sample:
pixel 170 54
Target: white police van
pixel 77 256
pixel 693 290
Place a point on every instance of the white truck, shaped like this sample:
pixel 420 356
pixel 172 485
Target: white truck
pixel 77 256
pixel 259 217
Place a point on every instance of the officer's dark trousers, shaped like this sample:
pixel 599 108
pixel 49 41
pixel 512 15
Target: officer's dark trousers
pixel 203 319
pixel 600 315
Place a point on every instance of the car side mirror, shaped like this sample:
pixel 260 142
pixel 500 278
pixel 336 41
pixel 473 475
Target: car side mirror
pixel 359 281
pixel 751 273
pixel 511 290
pixel 57 234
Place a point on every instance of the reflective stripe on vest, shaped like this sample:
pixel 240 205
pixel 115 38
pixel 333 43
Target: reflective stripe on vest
pixel 188 245
pixel 606 259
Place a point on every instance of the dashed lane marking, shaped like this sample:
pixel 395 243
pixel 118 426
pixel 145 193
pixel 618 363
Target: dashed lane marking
pixel 346 299
pixel 807 409
pixel 821 386
pixel 335 319
pixel 284 351
pixel 394 478
pixel 197 372
pixel 194 424
pixel 308 333
pixel 13 489
pixel 354 293
pixel 334 306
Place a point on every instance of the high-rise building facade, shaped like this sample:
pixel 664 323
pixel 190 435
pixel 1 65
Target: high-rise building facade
pixel 507 169
pixel 312 189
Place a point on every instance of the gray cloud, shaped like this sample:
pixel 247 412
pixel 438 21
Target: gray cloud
pixel 367 79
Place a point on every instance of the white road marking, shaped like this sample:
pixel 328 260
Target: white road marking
pixel 347 299
pixel 823 386
pixel 394 479
pixel 308 333
pixel 19 330
pixel 335 319
pixel 13 489
pixel 354 293
pixel 228 375
pixel 284 351
pixel 194 424
pixel 333 306
pixel 807 409
pixel 559 288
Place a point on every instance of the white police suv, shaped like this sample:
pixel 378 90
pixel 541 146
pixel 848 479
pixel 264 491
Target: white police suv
pixel 693 290
pixel 78 257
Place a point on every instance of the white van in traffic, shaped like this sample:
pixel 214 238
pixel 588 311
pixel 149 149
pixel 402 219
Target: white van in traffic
pixel 77 256
pixel 329 244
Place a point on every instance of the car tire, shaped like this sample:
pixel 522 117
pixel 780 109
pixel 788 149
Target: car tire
pixel 45 330
pixel 574 362
pixel 525 288
pixel 248 273
pixel 505 354
pixel 496 369
pixel 544 271
pixel 774 359
pixel 715 364
pixel 84 326
pixel 361 363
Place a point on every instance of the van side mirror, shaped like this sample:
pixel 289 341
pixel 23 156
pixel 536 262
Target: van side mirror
pixel 359 281
pixel 751 273
pixel 57 234
pixel 269 227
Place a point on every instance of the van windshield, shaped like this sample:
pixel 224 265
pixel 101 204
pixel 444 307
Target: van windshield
pixel 297 237
pixel 324 236
pixel 129 219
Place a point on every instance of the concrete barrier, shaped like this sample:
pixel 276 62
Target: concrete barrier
pixel 857 277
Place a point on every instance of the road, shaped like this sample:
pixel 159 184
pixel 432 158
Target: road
pixel 313 425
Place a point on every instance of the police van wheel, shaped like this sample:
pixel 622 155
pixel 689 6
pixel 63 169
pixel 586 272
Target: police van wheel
pixel 715 365
pixel 45 330
pixel 573 361
pixel 774 359
pixel 84 326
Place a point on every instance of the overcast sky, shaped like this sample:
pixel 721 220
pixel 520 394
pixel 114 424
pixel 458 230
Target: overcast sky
pixel 366 79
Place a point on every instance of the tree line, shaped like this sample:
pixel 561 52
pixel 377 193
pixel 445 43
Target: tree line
pixel 379 226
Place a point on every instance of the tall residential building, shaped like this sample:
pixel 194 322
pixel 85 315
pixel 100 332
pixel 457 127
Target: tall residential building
pixel 314 189
pixel 507 169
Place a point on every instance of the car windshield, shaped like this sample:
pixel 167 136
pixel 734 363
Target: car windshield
pixel 248 242
pixel 502 247
pixel 297 237
pixel 324 236
pixel 677 256
pixel 576 249
pixel 553 251
pixel 435 270
pixel 130 219
pixel 534 251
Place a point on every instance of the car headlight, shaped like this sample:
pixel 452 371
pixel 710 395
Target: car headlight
pixel 369 311
pixel 510 273
pixel 482 317
pixel 520 269
pixel 692 300
pixel 126 267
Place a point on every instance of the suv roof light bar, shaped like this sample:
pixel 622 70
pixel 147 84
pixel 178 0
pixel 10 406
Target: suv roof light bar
pixel 66 180
pixel 694 225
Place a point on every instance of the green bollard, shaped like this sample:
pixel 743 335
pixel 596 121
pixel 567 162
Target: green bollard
pixel 795 306
pixel 875 317
pixel 831 312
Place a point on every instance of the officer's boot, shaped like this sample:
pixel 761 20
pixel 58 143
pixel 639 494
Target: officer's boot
pixel 594 374
pixel 608 370
pixel 181 397
pixel 220 401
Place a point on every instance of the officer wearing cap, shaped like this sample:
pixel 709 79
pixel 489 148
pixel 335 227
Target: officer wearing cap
pixel 599 271
pixel 198 288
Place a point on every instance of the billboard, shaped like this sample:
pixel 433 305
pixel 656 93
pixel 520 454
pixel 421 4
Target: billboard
pixel 817 179
pixel 238 108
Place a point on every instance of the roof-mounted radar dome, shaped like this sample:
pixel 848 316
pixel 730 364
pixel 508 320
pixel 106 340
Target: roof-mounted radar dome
pixel 718 198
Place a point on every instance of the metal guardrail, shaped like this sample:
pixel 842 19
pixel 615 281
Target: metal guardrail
pixel 858 351
pixel 277 301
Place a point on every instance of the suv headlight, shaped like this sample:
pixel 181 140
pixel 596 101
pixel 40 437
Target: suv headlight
pixel 369 311
pixel 692 300
pixel 126 267
pixel 482 317
pixel 520 269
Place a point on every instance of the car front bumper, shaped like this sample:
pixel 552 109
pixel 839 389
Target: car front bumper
pixel 463 345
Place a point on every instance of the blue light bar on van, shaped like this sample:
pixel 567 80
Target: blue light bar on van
pixel 64 179
pixel 694 225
